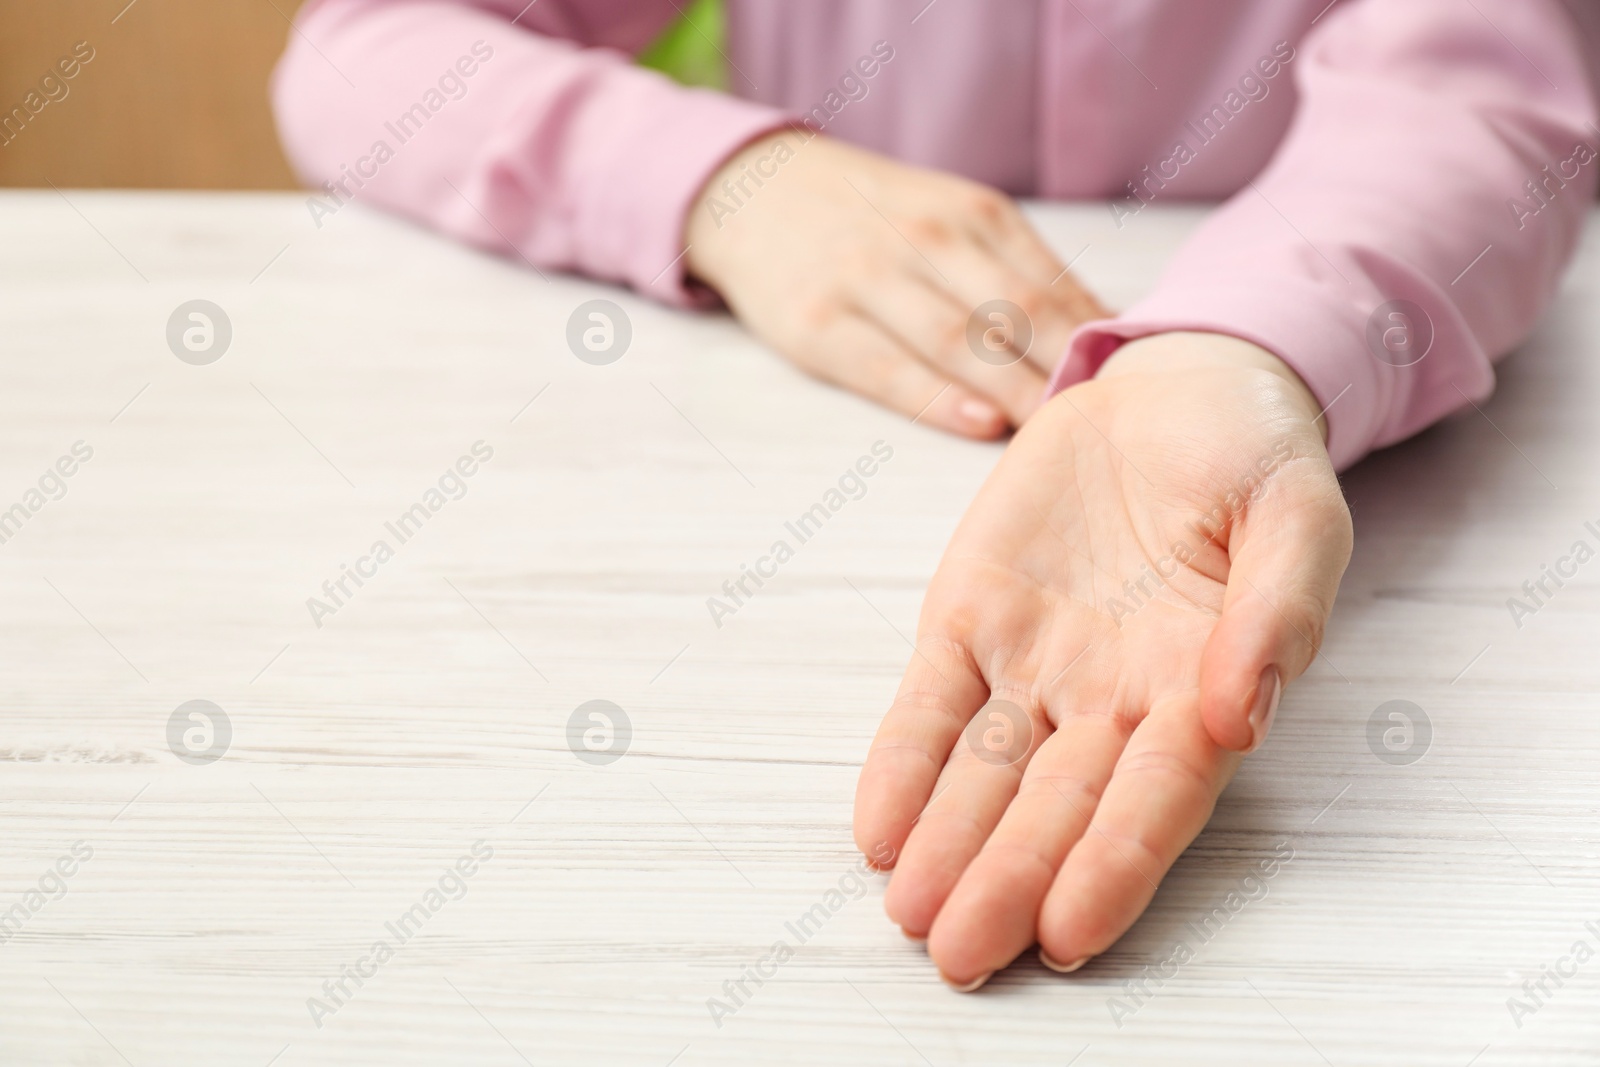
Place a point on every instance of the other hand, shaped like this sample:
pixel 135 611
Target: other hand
pixel 867 273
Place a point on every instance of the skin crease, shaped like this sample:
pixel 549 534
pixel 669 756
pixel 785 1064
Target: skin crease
pixel 1132 740
pixel 864 272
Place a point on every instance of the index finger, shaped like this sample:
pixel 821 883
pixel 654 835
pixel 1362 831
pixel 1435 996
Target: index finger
pixel 1161 794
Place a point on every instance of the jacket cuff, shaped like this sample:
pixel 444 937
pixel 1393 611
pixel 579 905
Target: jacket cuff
pixel 676 143
pixel 1322 341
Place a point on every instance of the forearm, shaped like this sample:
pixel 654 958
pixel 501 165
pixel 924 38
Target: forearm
pixel 1420 125
pixel 565 155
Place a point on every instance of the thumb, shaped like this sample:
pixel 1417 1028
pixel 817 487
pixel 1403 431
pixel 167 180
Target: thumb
pixel 1287 552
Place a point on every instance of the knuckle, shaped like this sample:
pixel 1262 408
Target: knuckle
pixel 1333 514
pixel 1314 625
pixel 988 206
pixel 820 313
pixel 930 230
pixel 1036 306
pixel 1178 772
pixel 1137 850
pixel 924 700
pixel 1080 794
pixel 1029 851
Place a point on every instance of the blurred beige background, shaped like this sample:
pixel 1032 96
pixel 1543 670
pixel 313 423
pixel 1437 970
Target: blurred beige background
pixel 175 96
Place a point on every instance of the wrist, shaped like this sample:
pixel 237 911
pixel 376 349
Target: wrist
pixel 708 233
pixel 1195 350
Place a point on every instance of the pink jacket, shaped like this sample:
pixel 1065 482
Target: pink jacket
pixel 1405 179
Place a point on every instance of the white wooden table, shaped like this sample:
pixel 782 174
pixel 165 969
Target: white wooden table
pixel 208 902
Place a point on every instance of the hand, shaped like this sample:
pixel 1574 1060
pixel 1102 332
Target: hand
pixel 865 272
pixel 1154 557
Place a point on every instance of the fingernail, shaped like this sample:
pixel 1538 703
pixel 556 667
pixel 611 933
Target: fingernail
pixel 979 411
pixel 911 936
pixel 1064 968
pixel 968 987
pixel 1268 690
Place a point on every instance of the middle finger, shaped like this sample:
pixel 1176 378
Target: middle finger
pixel 991 916
pixel 971 795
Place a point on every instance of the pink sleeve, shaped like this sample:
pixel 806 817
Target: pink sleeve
pixel 555 147
pixel 1444 153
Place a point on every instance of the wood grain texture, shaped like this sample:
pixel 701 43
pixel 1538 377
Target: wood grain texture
pixel 431 710
pixel 175 96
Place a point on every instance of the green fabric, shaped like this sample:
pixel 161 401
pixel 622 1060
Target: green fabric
pixel 690 50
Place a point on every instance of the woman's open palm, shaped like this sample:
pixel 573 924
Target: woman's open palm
pixel 1155 555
